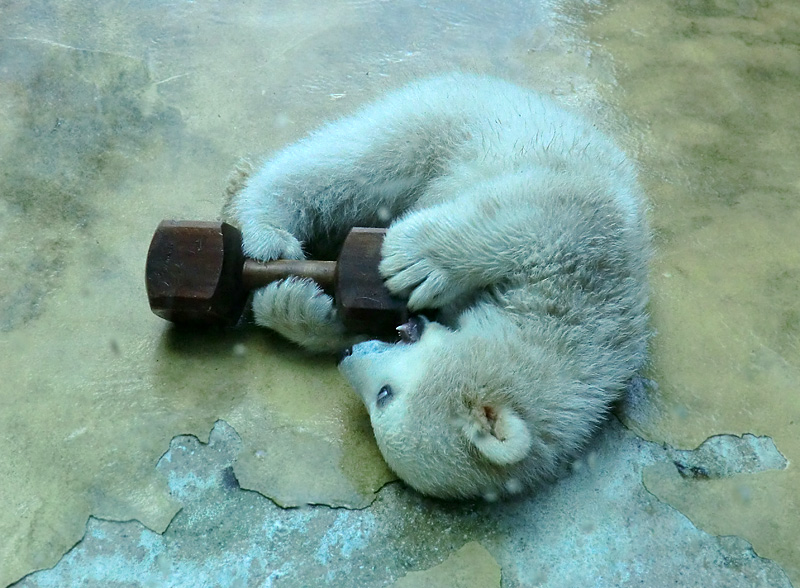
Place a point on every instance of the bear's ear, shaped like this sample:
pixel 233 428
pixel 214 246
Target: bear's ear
pixel 498 432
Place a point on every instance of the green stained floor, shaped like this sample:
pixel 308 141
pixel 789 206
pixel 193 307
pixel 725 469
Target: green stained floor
pixel 712 91
pixel 115 115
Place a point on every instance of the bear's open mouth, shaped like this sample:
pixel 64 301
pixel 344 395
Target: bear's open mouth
pixel 411 330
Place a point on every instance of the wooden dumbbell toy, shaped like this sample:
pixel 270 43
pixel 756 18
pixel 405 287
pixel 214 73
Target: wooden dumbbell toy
pixel 196 273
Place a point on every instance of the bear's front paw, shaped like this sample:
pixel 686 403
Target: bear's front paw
pixel 408 264
pixel 300 311
pixel 268 243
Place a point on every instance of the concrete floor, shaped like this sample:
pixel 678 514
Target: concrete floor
pixel 115 115
pixel 597 527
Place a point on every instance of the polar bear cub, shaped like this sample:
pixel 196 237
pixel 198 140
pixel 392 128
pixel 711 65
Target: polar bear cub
pixel 518 223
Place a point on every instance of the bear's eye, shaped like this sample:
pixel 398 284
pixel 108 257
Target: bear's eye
pixel 384 395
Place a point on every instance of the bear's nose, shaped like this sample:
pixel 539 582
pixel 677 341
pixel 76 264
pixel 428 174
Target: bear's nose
pixel 344 353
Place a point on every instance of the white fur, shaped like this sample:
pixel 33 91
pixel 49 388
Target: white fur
pixel 519 222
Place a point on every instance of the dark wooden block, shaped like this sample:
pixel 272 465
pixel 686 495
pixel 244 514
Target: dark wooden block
pixel 363 301
pixel 194 272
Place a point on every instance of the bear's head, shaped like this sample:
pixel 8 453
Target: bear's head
pixel 444 423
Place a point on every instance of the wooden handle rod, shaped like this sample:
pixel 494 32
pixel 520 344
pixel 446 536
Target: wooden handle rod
pixel 256 274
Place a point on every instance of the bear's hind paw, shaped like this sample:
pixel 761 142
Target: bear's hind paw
pixel 299 310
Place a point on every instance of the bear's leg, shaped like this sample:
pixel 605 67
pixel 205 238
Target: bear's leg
pixel 506 228
pixel 301 312
pixel 364 170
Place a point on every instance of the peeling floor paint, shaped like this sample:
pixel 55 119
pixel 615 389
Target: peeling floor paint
pixel 723 456
pixel 471 565
pixel 597 526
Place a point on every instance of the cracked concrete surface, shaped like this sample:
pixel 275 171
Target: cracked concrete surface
pixel 597 526
pixel 723 456
pixel 115 115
